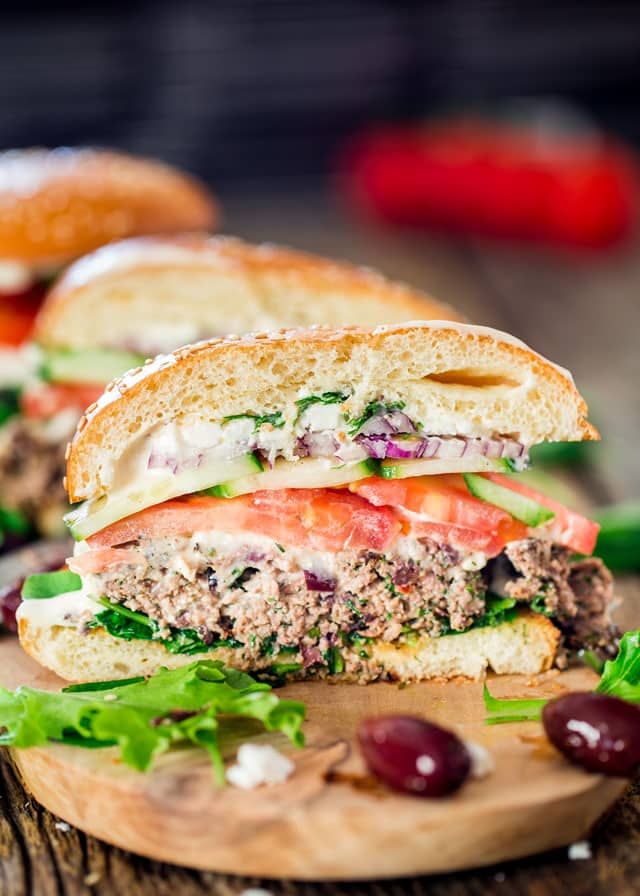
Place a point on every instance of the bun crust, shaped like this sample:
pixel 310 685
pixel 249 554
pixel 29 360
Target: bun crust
pixel 58 204
pixel 525 646
pixel 220 285
pixel 460 378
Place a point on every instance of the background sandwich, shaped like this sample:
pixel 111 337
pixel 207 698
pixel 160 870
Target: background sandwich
pixel 324 503
pixel 133 299
pixel 56 205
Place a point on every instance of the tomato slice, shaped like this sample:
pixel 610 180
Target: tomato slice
pixel 46 400
pixel 568 528
pixel 444 499
pixel 18 313
pixel 314 519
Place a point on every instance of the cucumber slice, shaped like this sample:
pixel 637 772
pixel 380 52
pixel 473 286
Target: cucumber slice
pixel 92 516
pixel 519 506
pixel 403 469
pixel 313 472
pixel 98 365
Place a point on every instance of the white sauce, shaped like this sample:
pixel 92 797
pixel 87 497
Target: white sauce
pixel 67 609
pixel 18 366
pixel 15 276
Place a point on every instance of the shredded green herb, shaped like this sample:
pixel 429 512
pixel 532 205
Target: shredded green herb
pixel 371 410
pixel 326 398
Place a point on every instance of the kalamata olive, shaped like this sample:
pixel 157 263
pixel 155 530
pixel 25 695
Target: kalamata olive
pixel 598 732
pixel 10 600
pixel 414 756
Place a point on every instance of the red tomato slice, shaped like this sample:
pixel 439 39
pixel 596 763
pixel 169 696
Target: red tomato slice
pixel 444 499
pixel 47 400
pixel 567 527
pixel 460 537
pixel 17 315
pixel 316 519
pixel 99 560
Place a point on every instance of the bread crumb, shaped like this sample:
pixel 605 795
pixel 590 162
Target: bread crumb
pixel 580 850
pixel 92 878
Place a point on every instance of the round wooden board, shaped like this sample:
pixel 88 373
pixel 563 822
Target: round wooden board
pixel 329 820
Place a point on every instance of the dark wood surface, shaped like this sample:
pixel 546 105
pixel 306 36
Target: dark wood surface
pixel 583 312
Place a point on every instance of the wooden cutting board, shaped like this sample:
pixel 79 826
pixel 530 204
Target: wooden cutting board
pixel 329 820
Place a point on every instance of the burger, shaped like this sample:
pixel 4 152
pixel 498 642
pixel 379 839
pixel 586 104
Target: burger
pixel 56 205
pixel 342 503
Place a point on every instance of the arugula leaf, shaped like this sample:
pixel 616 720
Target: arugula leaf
pixel 326 398
pixel 620 678
pixel 43 585
pixel 276 419
pixel 144 718
pixel 499 711
pixel 371 410
pixel 121 622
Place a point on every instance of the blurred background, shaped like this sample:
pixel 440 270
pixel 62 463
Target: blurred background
pixel 482 150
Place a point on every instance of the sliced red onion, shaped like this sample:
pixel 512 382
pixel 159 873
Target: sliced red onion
pixel 388 424
pixel 441 447
pixel 311 656
pixel 315 582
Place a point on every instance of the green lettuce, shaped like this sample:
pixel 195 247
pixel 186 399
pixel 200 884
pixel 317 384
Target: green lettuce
pixel 43 585
pixel 130 625
pixel 144 717
pixel 620 678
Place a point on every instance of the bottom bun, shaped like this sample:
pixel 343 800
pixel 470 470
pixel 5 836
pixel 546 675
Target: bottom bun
pixel 527 646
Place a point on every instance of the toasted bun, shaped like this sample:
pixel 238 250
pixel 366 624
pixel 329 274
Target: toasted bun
pixel 58 204
pixel 461 379
pixel 197 286
pixel 525 646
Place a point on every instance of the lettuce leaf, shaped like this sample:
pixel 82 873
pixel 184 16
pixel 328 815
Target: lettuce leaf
pixel 145 717
pixel 43 585
pixel 620 678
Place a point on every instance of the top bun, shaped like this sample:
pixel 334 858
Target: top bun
pixel 152 294
pixel 58 204
pixel 457 378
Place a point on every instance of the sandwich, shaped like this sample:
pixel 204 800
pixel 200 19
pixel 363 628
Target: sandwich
pixel 134 299
pixel 56 205
pixel 324 503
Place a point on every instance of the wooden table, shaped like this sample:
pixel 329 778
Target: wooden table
pixel 582 312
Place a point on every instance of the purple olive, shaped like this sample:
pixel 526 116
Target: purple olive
pixel 10 600
pixel 600 733
pixel 413 756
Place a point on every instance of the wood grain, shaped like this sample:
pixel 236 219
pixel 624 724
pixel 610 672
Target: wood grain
pixel 329 820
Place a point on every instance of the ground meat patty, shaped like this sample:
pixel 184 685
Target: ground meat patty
pixel 257 595
pixel 251 595
pixel 31 467
pixel 578 594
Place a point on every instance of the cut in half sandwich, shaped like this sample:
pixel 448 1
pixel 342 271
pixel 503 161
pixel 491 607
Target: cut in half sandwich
pixel 133 299
pixel 324 503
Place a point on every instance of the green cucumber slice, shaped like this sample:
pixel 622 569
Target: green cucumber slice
pixel 403 469
pixel 92 516
pixel 519 506
pixel 96 365
pixel 313 472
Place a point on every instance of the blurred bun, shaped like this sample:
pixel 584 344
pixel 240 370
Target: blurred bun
pixel 155 293
pixel 55 205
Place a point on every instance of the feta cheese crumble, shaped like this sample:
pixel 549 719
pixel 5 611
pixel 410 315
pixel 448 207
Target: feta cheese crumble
pixel 258 764
pixel 482 763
